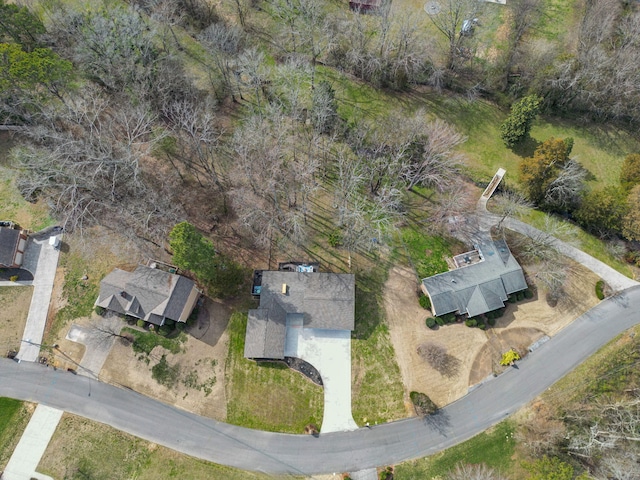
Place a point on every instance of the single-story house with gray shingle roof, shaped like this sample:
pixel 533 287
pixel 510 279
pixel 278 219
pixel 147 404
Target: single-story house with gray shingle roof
pixel 150 294
pixel 304 299
pixel 12 245
pixel 479 287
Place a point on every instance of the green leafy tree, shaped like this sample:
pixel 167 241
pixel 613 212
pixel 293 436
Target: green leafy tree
pixel 518 124
pixel 630 171
pixel 551 179
pixel 30 71
pixel 20 25
pixel 631 222
pixel 193 252
pixel 549 468
pixel 603 211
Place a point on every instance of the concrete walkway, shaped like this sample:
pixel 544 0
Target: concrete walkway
pixel 329 351
pixel 44 274
pixel 26 457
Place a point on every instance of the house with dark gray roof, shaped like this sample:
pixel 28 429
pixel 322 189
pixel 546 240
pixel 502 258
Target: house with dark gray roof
pixel 482 281
pixel 150 294
pixel 324 301
pixel 12 245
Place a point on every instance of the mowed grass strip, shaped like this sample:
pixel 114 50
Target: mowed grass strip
pixel 82 449
pixel 267 396
pixel 495 448
pixel 377 391
pixel 14 417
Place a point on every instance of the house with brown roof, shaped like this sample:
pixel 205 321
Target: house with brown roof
pixel 150 294
pixel 482 282
pixel 294 300
pixel 12 245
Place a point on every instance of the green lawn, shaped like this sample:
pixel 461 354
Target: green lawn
pixel 377 391
pixel 426 253
pixel 494 448
pixel 14 417
pixel 268 396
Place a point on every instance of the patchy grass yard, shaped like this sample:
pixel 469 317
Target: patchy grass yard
pixel 494 448
pixel 33 216
pixel 377 392
pixel 14 416
pixel 268 396
pixel 82 449
pixel 14 304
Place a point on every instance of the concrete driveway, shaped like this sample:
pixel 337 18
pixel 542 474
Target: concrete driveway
pixel 98 340
pixel 329 351
pixel 42 260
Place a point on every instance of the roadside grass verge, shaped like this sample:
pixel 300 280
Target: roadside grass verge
pixel 577 237
pixel 14 304
pixel 82 449
pixel 377 391
pixel 612 372
pixel 267 396
pixel 495 448
pixel 14 417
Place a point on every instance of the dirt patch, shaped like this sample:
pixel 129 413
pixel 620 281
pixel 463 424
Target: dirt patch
pixel 477 351
pixel 14 304
pixel 204 355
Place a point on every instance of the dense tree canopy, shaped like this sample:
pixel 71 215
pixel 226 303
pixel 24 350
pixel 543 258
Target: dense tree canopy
pixel 550 178
pixel 630 171
pixel 602 211
pixel 517 125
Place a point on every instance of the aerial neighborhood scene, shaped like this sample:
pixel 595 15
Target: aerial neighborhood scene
pixel 320 239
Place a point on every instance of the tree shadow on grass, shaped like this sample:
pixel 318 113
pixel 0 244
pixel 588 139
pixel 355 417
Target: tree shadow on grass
pixel 526 147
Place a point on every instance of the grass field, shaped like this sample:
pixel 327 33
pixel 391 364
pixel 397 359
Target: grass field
pixel 82 449
pixel 494 448
pixel 14 416
pixel 377 392
pixel 268 396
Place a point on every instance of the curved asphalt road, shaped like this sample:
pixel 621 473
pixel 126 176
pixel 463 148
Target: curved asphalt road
pixel 333 452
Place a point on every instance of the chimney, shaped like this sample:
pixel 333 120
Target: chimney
pixel 284 288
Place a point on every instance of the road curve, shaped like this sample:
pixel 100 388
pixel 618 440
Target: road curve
pixel 334 452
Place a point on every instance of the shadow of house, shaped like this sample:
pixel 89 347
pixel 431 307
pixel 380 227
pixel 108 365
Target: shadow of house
pixel 483 281
pixel 149 294
pixel 295 300
pixel 13 243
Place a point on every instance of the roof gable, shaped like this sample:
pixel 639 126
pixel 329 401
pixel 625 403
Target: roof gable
pixel 147 293
pixel 319 300
pixel 480 287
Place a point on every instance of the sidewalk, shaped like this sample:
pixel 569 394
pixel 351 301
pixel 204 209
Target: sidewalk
pixel 47 263
pixel 33 443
